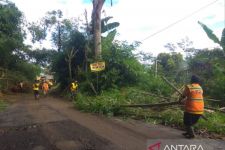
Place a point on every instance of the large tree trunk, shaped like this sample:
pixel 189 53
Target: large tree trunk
pixel 87 44
pixel 96 18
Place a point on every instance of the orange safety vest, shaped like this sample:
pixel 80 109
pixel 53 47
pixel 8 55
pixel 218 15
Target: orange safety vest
pixel 194 103
pixel 45 87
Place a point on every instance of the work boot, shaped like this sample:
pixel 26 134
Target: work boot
pixel 190 132
pixel 185 134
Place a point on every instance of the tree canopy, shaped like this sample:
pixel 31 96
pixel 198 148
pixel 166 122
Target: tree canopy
pixel 74 50
pixel 12 49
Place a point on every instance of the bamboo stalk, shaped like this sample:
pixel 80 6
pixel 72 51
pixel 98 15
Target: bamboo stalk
pixel 172 85
pixel 164 105
pixel 151 105
pixel 169 98
pixel 213 100
pixel 215 109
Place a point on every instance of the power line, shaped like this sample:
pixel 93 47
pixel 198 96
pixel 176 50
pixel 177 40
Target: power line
pixel 191 14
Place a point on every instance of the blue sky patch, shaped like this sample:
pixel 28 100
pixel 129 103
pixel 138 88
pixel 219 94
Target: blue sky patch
pixel 210 17
pixel 87 1
pixel 219 24
pixel 107 2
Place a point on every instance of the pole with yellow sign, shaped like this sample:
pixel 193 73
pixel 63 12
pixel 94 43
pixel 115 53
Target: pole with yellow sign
pixel 97 67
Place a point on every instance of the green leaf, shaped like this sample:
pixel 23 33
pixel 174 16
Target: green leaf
pixel 111 35
pixel 223 39
pixel 108 26
pixel 210 33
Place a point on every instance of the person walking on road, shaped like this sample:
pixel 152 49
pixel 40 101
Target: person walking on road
pixel 73 89
pixel 36 89
pixel 192 97
pixel 21 86
pixel 45 88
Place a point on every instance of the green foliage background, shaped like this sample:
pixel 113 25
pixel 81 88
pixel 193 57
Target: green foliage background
pixel 13 63
pixel 125 77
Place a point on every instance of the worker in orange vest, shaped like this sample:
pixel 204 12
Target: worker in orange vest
pixel 45 88
pixel 192 97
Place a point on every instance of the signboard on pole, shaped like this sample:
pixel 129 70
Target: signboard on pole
pixel 98 66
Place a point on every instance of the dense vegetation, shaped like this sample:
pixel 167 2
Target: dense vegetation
pixel 127 76
pixel 14 65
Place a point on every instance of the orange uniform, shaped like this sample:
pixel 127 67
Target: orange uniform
pixel 194 103
pixel 45 87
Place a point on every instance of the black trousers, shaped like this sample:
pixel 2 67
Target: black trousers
pixel 191 119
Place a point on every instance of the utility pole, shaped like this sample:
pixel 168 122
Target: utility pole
pixel 156 67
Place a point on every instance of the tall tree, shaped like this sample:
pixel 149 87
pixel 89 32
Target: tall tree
pixel 96 18
pixel 12 50
pixel 185 44
pixel 210 66
pixel 11 35
pixel 53 24
pixel 70 55
pixel 172 47
pixel 42 57
pixel 170 64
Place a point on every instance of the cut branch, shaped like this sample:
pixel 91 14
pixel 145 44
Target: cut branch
pixel 151 105
pixel 164 105
pixel 215 109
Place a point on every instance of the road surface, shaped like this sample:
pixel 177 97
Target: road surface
pixel 54 124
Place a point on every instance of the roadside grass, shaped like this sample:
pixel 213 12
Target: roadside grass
pixel 214 124
pixel 3 105
pixel 108 103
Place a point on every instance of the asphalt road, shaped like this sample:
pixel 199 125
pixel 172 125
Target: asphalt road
pixel 54 124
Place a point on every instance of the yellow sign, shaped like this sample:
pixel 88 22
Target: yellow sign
pixel 98 66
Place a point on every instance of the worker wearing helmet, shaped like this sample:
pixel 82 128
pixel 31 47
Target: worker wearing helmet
pixel 73 88
pixel 45 88
pixel 36 89
pixel 194 105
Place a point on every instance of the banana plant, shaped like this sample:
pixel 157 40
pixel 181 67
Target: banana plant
pixel 212 36
pixel 105 26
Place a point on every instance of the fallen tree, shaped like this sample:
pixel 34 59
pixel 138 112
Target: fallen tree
pixel 169 103
pixel 151 105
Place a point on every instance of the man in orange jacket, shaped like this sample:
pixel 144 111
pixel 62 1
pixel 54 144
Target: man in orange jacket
pixel 194 105
pixel 45 88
